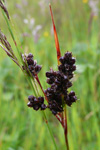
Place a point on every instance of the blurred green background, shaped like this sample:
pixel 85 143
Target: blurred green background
pixel 78 27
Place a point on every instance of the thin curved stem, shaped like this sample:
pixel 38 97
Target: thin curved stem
pixel 50 131
pixel 65 126
pixel 38 81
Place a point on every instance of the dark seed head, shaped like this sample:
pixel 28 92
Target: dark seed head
pixel 43 107
pixel 68 55
pixel 31 98
pixel 69 84
pixel 36 107
pixel 31 67
pixel 70 75
pixel 37 68
pixel 48 74
pixel 72 61
pixel 36 101
pixel 29 104
pixel 73 68
pixel 61 68
pixel 61 59
pixel 30 61
pixel 30 55
pixel 41 100
pixel 72 93
pixel 54 112
pixel 50 80
pixel 73 98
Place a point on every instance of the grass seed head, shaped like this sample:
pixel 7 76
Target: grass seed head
pixel 30 65
pixel 59 80
pixel 36 103
pixel 5 9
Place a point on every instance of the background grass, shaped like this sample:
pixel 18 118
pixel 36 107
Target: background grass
pixel 78 30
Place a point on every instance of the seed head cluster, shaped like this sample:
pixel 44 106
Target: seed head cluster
pixel 59 81
pixel 57 93
pixel 32 68
pixel 36 103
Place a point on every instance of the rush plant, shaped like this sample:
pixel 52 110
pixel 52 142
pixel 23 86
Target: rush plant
pixel 57 96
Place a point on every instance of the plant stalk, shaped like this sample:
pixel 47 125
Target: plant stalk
pixel 50 130
pixel 44 115
pixel 65 126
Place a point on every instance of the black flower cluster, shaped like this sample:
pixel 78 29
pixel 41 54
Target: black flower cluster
pixel 67 65
pixel 36 103
pixel 32 65
pixel 59 80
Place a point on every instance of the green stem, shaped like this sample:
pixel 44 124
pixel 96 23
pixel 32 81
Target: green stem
pixel 50 131
pixel 65 128
pixel 36 86
pixel 12 35
pixel 30 82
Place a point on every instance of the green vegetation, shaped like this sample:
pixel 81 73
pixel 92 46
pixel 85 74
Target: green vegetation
pixel 22 128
